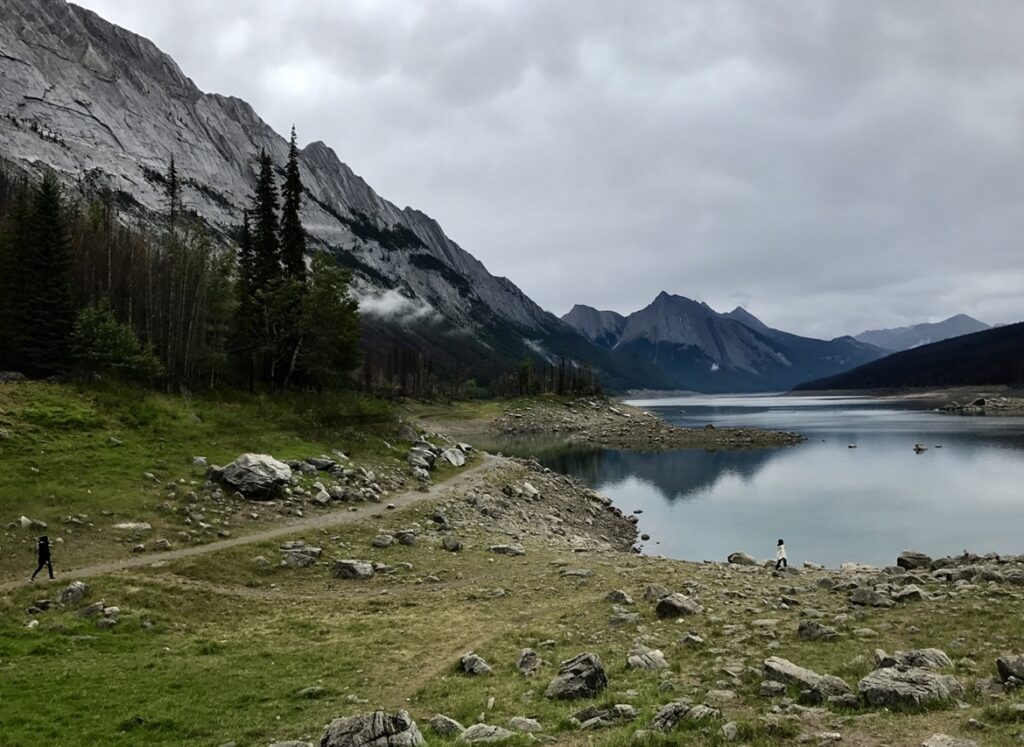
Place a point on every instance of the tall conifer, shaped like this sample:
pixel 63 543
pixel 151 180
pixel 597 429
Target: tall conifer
pixel 293 237
pixel 265 236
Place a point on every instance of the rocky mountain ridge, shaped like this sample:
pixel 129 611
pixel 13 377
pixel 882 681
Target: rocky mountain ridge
pixel 106 110
pixel 699 348
pixel 916 335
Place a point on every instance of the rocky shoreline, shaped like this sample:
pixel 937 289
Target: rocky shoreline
pixel 615 425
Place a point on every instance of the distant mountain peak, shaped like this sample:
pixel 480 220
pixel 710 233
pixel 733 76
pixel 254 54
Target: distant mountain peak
pixel 916 335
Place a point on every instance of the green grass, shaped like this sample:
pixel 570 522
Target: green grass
pixel 59 459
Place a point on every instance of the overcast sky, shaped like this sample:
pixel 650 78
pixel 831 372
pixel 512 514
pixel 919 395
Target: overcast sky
pixel 832 166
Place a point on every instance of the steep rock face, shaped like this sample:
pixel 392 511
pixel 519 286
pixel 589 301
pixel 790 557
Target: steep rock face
pixel 695 347
pixel 905 338
pixel 106 108
pixel 601 327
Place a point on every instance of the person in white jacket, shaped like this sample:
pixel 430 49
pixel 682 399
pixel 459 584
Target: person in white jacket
pixel 780 556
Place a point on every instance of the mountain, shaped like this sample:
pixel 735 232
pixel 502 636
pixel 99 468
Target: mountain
pixel 697 348
pixel 600 327
pixel 905 338
pixel 106 109
pixel 994 356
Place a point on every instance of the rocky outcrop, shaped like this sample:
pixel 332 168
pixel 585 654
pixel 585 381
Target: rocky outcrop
pixel 820 687
pixel 376 729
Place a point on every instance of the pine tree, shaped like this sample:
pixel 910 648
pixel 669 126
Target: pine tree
pixel 43 302
pixel 172 193
pixel 265 238
pixel 293 237
pixel 12 236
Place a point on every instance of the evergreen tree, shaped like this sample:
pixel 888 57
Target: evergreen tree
pixel 266 265
pixel 328 343
pixel 293 237
pixel 172 193
pixel 43 302
pixel 12 237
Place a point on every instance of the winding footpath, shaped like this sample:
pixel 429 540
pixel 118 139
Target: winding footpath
pixel 317 521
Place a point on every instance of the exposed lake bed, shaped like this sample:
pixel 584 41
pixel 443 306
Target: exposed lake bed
pixel 961 490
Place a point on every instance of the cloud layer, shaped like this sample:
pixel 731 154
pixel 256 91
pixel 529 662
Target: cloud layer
pixel 833 166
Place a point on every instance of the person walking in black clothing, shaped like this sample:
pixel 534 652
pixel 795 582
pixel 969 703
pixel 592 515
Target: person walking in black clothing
pixel 44 556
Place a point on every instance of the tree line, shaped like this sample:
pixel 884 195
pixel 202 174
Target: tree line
pixel 83 293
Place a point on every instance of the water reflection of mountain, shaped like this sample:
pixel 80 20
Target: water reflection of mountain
pixel 676 474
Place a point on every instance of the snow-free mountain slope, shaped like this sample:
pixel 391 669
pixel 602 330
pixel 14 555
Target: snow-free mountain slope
pixel 905 338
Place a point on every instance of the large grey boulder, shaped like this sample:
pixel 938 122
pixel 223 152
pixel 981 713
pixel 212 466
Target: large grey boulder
pixel 869 598
pixel 908 687
pixel 376 729
pixel 912 560
pixel 654 592
pixel 820 686
pixel 256 476
pixel 646 658
pixel 677 605
pixel 1010 666
pixel 454 457
pixel 741 558
pixel 580 677
pixel 444 726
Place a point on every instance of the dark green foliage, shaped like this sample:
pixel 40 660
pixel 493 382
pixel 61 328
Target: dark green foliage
pixel 266 249
pixel 103 345
pixel 172 190
pixel 293 236
pixel 329 327
pixel 994 356
pixel 41 300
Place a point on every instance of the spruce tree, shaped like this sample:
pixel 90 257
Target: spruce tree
pixel 265 238
pixel 44 306
pixel 12 237
pixel 172 193
pixel 293 237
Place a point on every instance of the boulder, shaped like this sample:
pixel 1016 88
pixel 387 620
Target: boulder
pixel 445 727
pixel 256 476
pixel 526 725
pixel 528 662
pixel 669 715
pixel 677 605
pixel 451 543
pixel 821 686
pixel 908 687
pixel 812 630
pixel 909 593
pixel 580 677
pixel 376 729
pixel 454 457
pixel 73 593
pixel 912 560
pixel 924 658
pixel 484 734
pixel 619 597
pixel 1010 666
pixel 647 658
pixel 869 598
pixel 654 592
pixel 356 569
pixel 475 665
pixel 741 558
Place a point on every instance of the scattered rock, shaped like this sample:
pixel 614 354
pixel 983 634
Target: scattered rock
pixel 1010 666
pixel 354 569
pixel 451 543
pixel 526 725
pixel 912 560
pixel 619 597
pixel 256 476
pixel 944 740
pixel 925 658
pixel 647 658
pixel 908 687
pixel 454 457
pixel 580 677
pixel 677 605
pixel 528 662
pixel 812 630
pixel 484 734
pixel 445 727
pixel 819 686
pixel 376 729
pixel 512 550
pixel 73 593
pixel 741 558
pixel 475 665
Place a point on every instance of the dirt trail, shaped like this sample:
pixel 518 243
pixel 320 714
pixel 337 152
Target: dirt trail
pixel 318 521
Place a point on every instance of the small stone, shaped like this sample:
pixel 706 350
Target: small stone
pixel 473 664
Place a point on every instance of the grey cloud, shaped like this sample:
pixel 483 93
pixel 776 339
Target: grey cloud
pixel 839 165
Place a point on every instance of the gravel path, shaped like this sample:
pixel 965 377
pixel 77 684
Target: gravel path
pixel 317 521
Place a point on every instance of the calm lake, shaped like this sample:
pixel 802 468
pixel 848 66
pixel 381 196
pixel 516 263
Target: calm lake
pixel 831 503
